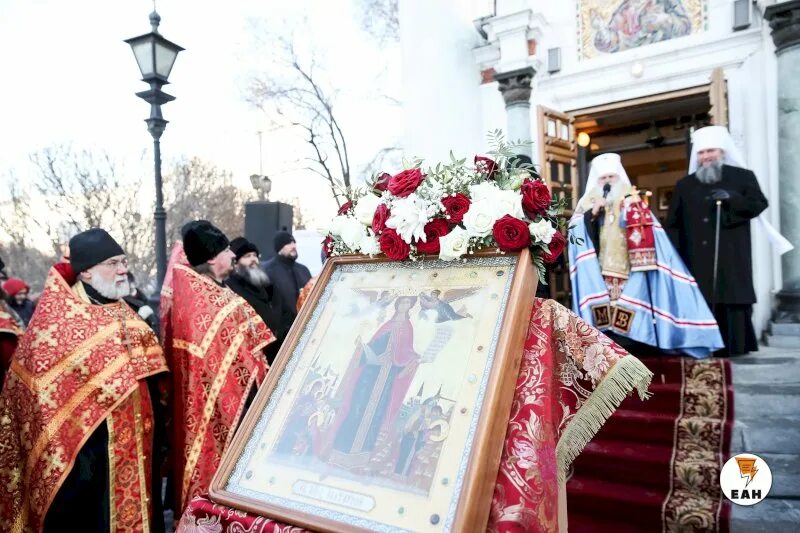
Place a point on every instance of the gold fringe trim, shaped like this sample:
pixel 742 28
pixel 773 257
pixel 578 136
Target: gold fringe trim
pixel 627 374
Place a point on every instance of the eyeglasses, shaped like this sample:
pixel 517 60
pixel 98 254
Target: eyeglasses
pixel 115 263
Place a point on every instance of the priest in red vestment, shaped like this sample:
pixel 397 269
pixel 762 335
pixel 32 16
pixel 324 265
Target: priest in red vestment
pixel 10 332
pixel 214 342
pixel 77 412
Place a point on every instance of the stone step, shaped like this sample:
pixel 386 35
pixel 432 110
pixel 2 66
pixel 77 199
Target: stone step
pixel 776 435
pixel 777 328
pixel 782 341
pixel 775 515
pixel 765 370
pixel 767 400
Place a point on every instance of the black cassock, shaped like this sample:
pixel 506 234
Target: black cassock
pixel 82 502
pixel 692 221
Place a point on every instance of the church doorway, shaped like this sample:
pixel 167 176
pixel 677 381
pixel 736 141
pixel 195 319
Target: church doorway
pixel 652 135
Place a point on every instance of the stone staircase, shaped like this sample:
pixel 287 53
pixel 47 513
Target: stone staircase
pixel 767 423
pixel 783 335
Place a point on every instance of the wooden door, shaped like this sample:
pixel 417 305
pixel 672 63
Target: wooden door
pixel 558 161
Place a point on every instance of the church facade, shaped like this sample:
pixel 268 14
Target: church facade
pixel 588 77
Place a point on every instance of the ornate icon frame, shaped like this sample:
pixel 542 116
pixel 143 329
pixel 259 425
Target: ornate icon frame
pixel 464 498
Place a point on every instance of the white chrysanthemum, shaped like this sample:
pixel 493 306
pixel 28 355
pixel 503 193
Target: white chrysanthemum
pixel 335 226
pixel 454 244
pixel 365 209
pixel 352 233
pixel 409 216
pixel 542 231
pixel 480 218
pixel 369 245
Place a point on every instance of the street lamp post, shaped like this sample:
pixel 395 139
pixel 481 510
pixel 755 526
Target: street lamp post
pixel 155 57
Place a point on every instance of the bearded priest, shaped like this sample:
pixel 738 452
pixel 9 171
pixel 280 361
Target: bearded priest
pixel 214 341
pixel 717 173
pixel 626 276
pixel 78 410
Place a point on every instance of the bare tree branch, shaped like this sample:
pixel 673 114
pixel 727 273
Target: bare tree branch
pixel 380 19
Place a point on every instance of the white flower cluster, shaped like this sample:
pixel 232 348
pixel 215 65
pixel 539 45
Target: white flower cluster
pixel 352 232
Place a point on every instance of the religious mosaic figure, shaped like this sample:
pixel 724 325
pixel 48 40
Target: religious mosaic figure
pixel 638 22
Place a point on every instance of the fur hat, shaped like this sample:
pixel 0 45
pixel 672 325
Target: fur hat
pixel 241 247
pixel 90 248
pixel 202 241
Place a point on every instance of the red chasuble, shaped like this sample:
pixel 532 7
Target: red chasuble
pixel 639 234
pixel 214 345
pixel 77 366
pixel 10 332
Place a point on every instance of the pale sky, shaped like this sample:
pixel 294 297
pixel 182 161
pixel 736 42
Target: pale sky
pixel 69 77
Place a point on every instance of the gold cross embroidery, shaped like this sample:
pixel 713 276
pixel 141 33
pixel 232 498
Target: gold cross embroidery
pixel 76 310
pixel 53 461
pixel 45 336
pixel 46 396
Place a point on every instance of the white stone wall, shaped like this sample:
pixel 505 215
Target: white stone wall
pixel 441 83
pixel 452 110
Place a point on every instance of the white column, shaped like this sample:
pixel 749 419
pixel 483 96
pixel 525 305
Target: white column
pixel 784 19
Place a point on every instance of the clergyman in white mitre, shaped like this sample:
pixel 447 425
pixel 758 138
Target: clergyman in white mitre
pixel 606 187
pixel 626 276
pixel 718 182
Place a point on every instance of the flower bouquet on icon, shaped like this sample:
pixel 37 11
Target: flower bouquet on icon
pixel 453 210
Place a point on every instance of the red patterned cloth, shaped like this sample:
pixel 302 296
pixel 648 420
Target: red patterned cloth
pixel 10 332
pixel 305 291
pixel 639 234
pixel 571 379
pixel 77 366
pixel 214 342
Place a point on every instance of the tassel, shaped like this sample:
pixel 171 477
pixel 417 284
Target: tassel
pixel 627 374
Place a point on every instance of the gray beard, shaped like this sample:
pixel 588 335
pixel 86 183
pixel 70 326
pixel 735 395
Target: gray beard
pixel 615 193
pixel 710 174
pixel 111 290
pixel 254 276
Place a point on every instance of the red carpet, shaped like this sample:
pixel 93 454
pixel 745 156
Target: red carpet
pixel 655 465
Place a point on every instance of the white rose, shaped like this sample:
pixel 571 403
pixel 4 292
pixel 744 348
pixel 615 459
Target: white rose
pixel 508 203
pixel 336 224
pixel 352 233
pixel 454 244
pixel 369 245
pixel 480 218
pixel 483 191
pixel 542 231
pixel 365 209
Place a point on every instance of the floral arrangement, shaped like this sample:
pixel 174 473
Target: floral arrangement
pixel 453 210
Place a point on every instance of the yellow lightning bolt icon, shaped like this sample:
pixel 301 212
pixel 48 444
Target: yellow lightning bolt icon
pixel 747 468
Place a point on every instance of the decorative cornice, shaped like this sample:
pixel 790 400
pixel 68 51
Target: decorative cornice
pixel 784 19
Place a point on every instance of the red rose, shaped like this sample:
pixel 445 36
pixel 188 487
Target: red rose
pixel 347 206
pixel 485 165
pixel 511 234
pixel 456 206
pixel 382 214
pixel 438 227
pixel 393 245
pixel 326 246
pixel 382 181
pixel 535 198
pixel 556 247
pixel 406 182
